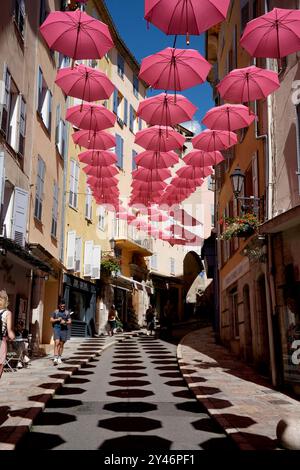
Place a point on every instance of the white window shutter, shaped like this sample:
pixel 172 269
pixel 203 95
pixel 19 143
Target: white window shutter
pixel 20 216
pixel 88 258
pixel 71 245
pixel 96 262
pixel 2 177
pixel 78 250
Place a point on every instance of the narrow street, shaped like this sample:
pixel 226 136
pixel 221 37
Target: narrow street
pixel 131 397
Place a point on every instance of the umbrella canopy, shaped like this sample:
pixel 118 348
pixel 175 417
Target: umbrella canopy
pixel 91 117
pixel 174 69
pixel 275 34
pixel 185 17
pixel 189 171
pixel 101 140
pixel 212 140
pixel 166 110
pixel 148 186
pixel 248 84
pixel 153 160
pixel 85 83
pixel 158 217
pixel 143 174
pixel 107 182
pixel 186 183
pixel 101 171
pixel 98 157
pixel 228 117
pixel 198 158
pixel 159 138
pixel 76 34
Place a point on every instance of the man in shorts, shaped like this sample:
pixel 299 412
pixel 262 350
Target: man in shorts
pixel 60 320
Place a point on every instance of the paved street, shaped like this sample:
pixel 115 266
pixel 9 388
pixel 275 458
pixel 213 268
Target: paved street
pixel 132 396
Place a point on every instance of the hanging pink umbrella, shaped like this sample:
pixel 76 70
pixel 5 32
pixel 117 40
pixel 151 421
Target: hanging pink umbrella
pixel 153 185
pixel 101 140
pixel 229 117
pixel 139 224
pixel 275 34
pixel 84 83
pixel 76 34
pixel 186 183
pixel 153 160
pixel 101 171
pixel 198 158
pixel 107 182
pixel 248 84
pixel 98 157
pixel 159 138
pixel 189 171
pixel 143 174
pixel 164 110
pixel 212 140
pixel 191 17
pixel 90 116
pixel 174 69
pixel 158 217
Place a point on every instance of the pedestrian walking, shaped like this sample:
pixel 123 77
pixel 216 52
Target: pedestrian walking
pixel 112 320
pixel 150 319
pixel 6 330
pixel 60 319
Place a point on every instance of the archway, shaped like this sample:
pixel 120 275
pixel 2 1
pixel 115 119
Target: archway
pixel 192 267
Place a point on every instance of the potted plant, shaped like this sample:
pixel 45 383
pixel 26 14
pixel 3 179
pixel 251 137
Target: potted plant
pixel 110 264
pixel 241 226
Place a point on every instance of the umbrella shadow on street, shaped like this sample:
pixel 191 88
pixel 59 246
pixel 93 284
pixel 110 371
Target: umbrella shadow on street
pixel 136 442
pixel 130 407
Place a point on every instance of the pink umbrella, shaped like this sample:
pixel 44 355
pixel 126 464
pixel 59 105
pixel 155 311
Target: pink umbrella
pixel 85 83
pixel 248 84
pixel 189 171
pixel 163 110
pixel 90 116
pixel 159 138
pixel 98 157
pixel 158 217
pixel 153 160
pixel 107 182
pixel 101 171
pixel 228 117
pixel 143 174
pixel 186 183
pixel 275 34
pixel 153 185
pixel 212 140
pixel 107 191
pixel 76 34
pixel 175 241
pixel 125 216
pixel 185 218
pixel 191 17
pixel 139 224
pixel 174 69
pixel 198 158
pixel 101 140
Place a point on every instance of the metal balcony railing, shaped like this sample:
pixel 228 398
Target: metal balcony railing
pixel 123 231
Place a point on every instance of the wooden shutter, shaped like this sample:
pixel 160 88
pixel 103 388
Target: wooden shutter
pixel 20 216
pixel 71 245
pixel 134 154
pixel 78 250
pixel 40 91
pixel 140 124
pixel 125 111
pixel 88 258
pixel 72 183
pixel 96 262
pixel 5 101
pixel 131 118
pixel 2 177
pixel 22 126
pixel 115 104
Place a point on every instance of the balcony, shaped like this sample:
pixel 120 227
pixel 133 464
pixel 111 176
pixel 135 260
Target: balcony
pixel 138 273
pixel 132 240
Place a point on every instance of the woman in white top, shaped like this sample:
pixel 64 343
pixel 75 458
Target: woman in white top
pixel 5 327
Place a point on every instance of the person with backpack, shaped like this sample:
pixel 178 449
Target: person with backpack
pixel 6 330
pixel 60 319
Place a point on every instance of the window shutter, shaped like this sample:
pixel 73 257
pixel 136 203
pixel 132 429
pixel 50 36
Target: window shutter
pixel 96 262
pixel 2 177
pixel 88 203
pixel 125 111
pixel 40 91
pixel 140 124
pixel 71 245
pixel 115 104
pixel 22 125
pixel 122 152
pixel 54 210
pixel 77 169
pixel 57 128
pixel 20 216
pixel 119 150
pixel 5 100
pixel 49 118
pixel 131 117
pixel 78 250
pixel 88 258
pixel 134 154
pixel 72 182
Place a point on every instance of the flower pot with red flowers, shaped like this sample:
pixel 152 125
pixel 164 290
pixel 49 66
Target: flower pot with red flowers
pixel 242 226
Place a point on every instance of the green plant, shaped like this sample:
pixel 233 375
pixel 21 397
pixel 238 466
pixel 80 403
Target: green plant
pixel 110 264
pixel 243 225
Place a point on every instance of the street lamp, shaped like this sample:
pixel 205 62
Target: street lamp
pixel 112 243
pixel 237 180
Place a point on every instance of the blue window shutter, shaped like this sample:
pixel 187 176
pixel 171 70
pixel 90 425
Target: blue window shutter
pixel 125 111
pixel 118 150
pixel 115 108
pixel 122 152
pixel 131 118
pixel 134 154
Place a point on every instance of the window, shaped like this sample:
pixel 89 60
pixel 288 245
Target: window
pixel 140 124
pixel 43 11
pixel 44 104
pixel 54 210
pixel 125 111
pixel 244 14
pixel 78 250
pixel 212 214
pixel 101 220
pixel 211 183
pixel 63 61
pixel 39 193
pixel 136 86
pixel 121 66
pixel 19 16
pixel 88 203
pixel 22 125
pixel 119 150
pixel 153 261
pixel 74 178
pixel 172 265
pixel 133 120
pixel 134 154
pixel 60 133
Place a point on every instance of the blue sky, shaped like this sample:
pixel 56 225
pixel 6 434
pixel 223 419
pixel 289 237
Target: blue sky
pixel 128 16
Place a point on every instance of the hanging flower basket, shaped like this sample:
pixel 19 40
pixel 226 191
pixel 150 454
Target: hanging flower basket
pixel 241 227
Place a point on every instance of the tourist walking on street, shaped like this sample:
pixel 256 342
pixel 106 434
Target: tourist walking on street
pixel 5 327
pixel 150 318
pixel 112 320
pixel 60 320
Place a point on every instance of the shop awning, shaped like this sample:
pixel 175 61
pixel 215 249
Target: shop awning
pixel 24 254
